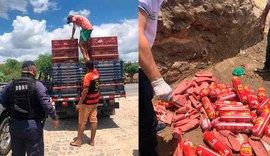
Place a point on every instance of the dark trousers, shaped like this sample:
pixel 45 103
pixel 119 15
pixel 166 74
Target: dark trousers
pixel 26 138
pixel 267 58
pixel 147 118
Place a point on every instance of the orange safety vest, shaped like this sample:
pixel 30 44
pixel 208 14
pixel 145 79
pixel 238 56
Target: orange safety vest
pixel 91 80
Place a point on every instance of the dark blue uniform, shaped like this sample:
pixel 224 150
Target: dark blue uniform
pixel 27 134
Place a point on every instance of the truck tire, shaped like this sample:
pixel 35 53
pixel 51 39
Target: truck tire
pixel 107 112
pixel 5 138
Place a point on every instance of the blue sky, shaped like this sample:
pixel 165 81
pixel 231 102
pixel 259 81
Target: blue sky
pixel 101 11
pixel 26 23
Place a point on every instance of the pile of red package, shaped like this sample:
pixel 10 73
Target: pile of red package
pixel 234 118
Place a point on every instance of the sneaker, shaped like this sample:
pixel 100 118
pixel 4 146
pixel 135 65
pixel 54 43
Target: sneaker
pixel 263 70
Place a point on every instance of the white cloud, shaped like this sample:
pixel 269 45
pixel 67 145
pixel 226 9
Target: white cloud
pixel 30 38
pixel 7 5
pixel 83 12
pixel 39 6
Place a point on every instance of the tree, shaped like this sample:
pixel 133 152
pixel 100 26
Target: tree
pixel 43 64
pixel 131 69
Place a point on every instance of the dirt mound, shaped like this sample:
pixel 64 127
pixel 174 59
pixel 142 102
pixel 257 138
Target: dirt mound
pixel 193 35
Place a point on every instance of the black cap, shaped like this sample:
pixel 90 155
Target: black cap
pixel 69 16
pixel 89 64
pixel 28 63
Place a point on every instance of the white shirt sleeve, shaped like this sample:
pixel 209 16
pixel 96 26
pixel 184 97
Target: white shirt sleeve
pixel 146 6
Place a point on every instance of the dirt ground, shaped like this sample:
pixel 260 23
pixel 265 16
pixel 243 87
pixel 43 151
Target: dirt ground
pixel 249 59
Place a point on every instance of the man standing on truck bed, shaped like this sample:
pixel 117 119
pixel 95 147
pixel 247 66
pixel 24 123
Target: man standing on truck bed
pixel 87 105
pixel 85 33
pixel 27 101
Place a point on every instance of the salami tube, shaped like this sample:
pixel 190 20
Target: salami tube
pixel 226 95
pixel 234 127
pixel 267 131
pixel 245 149
pixel 188 148
pixel 264 104
pixel 209 108
pixel 204 92
pixel 215 143
pixel 223 85
pixel 261 123
pixel 224 102
pixel 204 151
pixel 241 92
pixel 261 94
pixel 236 117
pixel 234 108
pixel 253 101
pixel 206 125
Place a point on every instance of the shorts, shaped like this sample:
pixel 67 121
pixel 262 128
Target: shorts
pixel 85 35
pixel 87 111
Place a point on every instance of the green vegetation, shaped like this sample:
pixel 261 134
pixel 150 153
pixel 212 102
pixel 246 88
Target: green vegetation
pixel 130 69
pixel 11 69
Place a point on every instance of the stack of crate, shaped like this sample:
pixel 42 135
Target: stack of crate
pixel 66 72
pixel 104 53
pixel 103 48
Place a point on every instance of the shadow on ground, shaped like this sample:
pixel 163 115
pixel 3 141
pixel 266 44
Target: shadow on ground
pixel 71 124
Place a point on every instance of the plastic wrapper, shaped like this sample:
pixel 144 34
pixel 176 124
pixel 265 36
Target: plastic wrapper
pixel 261 123
pixel 209 108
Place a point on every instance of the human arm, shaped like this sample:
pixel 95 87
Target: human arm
pixel 264 16
pixel 73 30
pixel 4 99
pixel 45 102
pixel 83 96
pixel 147 63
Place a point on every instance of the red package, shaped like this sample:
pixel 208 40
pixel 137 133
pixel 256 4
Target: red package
pixel 261 94
pixel 209 108
pixel 261 123
pixel 215 143
pixel 191 125
pixel 235 116
pixel 226 95
pixel 204 151
pixel 267 131
pixel 235 108
pixel 234 127
pixel 188 148
pixel 264 104
pixel 204 92
pixel 223 85
pixel 222 103
pixel 253 101
pixel 206 124
pixel 245 149
pixel 241 92
pixel 182 87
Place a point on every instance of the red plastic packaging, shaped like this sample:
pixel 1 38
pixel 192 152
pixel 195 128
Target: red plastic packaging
pixel 253 100
pixel 188 148
pixel 267 131
pixel 261 123
pixel 204 92
pixel 261 94
pixel 243 108
pixel 217 144
pixel 234 127
pixel 209 108
pixel 264 104
pixel 245 149
pixel 241 92
pixel 204 151
pixel 226 95
pixel 235 116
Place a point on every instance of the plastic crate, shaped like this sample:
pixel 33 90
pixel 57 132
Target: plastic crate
pixel 103 41
pixel 64 44
pixel 107 57
pixel 65 51
pixel 103 50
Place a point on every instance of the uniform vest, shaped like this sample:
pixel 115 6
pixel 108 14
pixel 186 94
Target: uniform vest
pixel 23 100
pixel 92 94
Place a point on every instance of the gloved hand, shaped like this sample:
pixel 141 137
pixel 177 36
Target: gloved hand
pixel 162 90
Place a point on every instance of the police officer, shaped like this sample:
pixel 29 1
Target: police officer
pixel 28 104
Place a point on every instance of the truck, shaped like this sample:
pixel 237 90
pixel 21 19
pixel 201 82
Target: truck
pixel 5 138
pixel 65 78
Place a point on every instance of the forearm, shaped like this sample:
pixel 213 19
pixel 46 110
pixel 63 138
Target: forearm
pixel 73 32
pixel 264 14
pixel 83 95
pixel 146 60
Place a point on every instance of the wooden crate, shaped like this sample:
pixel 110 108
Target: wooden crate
pixel 103 41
